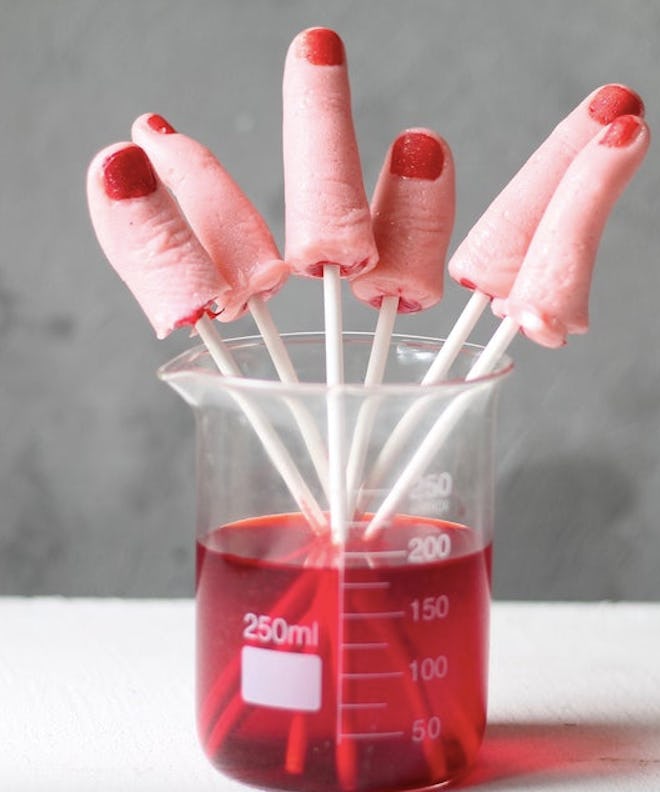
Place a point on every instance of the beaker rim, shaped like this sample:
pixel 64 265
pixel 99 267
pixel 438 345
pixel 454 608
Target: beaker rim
pixel 197 362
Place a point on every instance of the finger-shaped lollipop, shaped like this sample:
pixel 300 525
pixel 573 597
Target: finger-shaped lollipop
pixel 550 296
pixel 224 220
pixel 413 216
pixel 489 258
pixel 328 223
pixel 327 212
pixel 154 251
pixel 147 240
pixel 235 236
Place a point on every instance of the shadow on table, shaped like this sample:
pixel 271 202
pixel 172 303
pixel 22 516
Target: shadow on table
pixel 531 755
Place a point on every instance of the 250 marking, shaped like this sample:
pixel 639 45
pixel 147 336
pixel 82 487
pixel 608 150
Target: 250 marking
pixel 277 630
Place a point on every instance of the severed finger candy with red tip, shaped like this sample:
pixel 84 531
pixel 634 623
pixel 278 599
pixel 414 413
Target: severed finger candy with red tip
pixel 413 209
pixel 550 296
pixel 327 212
pixel 489 258
pixel 224 220
pixel 148 241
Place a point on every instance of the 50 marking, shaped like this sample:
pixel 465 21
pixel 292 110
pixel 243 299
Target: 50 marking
pixel 426 729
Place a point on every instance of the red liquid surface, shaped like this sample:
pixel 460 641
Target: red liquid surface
pixel 404 629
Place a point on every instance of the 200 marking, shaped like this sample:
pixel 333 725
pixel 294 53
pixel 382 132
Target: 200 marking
pixel 432 547
pixel 277 630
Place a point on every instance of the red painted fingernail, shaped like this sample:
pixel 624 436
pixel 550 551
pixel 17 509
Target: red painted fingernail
pixel 613 101
pixel 128 174
pixel 159 124
pixel 416 155
pixel 622 131
pixel 322 47
pixel 467 284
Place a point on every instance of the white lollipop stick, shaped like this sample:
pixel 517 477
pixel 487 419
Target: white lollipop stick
pixel 424 454
pixel 334 364
pixel 273 340
pixel 381 343
pixel 367 415
pixel 217 348
pixel 287 373
pixel 272 443
pixel 437 370
pixel 453 344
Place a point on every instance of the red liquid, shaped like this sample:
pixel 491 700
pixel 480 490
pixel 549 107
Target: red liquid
pixel 406 630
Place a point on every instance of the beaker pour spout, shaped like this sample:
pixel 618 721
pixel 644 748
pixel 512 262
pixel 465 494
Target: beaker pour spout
pixel 193 376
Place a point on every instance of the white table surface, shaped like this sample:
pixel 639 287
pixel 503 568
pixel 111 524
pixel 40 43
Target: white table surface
pixel 97 695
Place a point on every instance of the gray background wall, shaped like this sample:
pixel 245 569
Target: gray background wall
pixel 96 456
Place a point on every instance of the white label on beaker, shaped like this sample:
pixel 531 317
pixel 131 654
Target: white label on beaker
pixel 286 680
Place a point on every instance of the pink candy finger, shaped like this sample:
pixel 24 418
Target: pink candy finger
pixel 489 258
pixel 327 213
pixel 226 223
pixel 550 297
pixel 413 217
pixel 147 240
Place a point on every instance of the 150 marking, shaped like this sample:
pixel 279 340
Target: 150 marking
pixel 276 630
pixel 430 608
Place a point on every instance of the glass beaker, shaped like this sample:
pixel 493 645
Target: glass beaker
pixel 337 650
